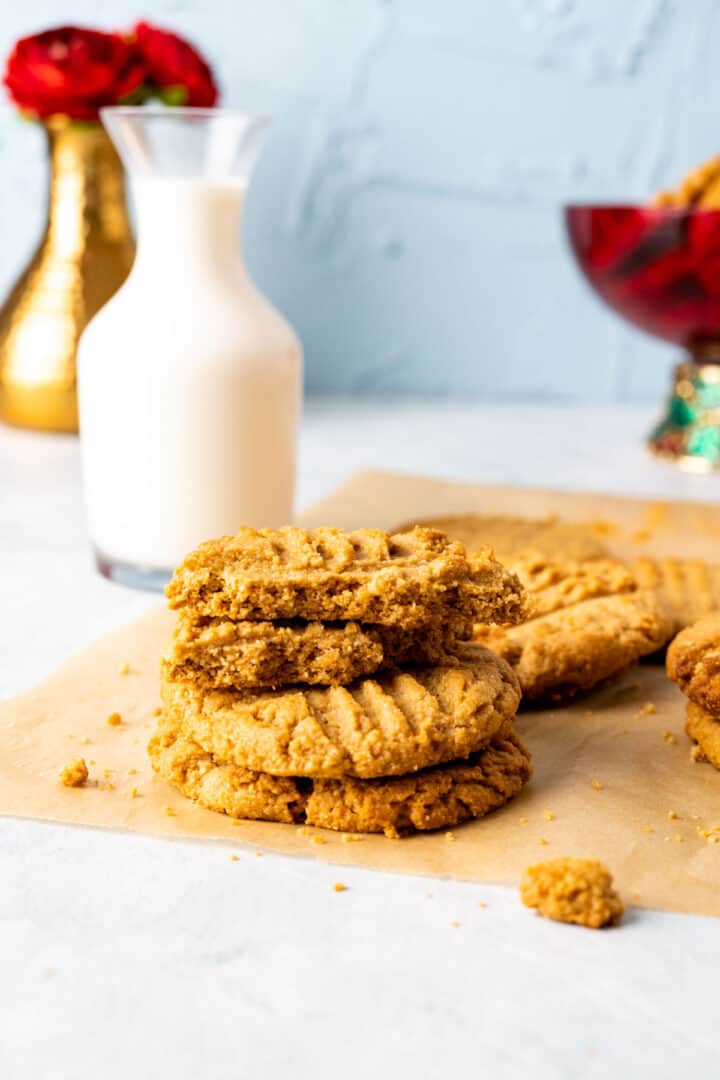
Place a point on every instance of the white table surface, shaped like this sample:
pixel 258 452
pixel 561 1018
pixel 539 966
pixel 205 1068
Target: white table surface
pixel 127 956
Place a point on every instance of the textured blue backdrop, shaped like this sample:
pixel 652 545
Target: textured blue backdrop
pixel 405 215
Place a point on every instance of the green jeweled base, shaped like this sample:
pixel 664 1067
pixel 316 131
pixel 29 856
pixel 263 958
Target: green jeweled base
pixel 689 433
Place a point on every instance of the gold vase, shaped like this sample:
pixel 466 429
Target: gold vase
pixel 84 256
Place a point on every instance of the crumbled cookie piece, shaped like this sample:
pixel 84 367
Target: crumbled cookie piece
pixel 114 719
pixel 572 890
pixel 74 774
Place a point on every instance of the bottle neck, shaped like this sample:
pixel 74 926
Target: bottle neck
pixel 185 224
pixel 86 197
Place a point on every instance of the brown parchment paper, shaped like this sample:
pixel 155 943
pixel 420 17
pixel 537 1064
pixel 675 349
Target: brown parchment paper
pixel 641 758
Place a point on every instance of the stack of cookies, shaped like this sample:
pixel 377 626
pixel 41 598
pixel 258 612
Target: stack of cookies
pixel 693 662
pixel 326 678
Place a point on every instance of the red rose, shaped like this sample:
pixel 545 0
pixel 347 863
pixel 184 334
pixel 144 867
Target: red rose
pixel 73 72
pixel 175 67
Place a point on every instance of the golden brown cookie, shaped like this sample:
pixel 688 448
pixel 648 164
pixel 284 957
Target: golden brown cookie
pixel 688 589
pixel 396 723
pixel 693 662
pixel 704 729
pixel 572 890
pixel 433 798
pixel 216 653
pixel 407 580
pixel 575 648
pixel 551 586
pixel 511 537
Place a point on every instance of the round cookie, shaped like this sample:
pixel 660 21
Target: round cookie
pixel 514 537
pixel 575 648
pixel 386 726
pixel 693 662
pixel 434 798
pixel 704 729
pixel 688 589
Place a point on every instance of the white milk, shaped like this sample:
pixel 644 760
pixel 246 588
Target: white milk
pixel 189 387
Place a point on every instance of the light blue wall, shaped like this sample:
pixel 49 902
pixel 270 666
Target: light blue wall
pixel 405 216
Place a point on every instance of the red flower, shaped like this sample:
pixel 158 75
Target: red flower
pixel 72 72
pixel 175 67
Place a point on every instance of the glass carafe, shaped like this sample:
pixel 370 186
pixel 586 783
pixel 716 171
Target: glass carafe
pixel 189 380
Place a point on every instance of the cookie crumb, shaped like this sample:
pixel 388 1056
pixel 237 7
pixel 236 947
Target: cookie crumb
pixel 646 709
pixel 317 839
pixel 125 669
pixel 597 784
pixel 572 890
pixel 588 714
pixel 132 772
pixel 134 793
pixel 454 924
pixel 523 821
pixel 449 835
pixel 259 854
pixel 169 812
pixel 303 831
pixel 157 711
pixel 549 816
pixel 543 842
pixel 114 719
pixel 679 838
pixel 339 887
pixel 86 741
pixel 350 838
pixel 481 904
pixel 648 828
pixel 671 815
pixel 668 737
pixel 234 858
pixel 74 774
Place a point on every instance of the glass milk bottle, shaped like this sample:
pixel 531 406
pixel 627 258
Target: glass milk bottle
pixel 189 382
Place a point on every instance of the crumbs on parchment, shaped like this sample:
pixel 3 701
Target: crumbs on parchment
pixel 74 774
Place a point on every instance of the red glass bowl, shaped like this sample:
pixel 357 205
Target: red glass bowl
pixel 659 268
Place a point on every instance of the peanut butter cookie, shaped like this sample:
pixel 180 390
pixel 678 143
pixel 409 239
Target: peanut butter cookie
pixel 513 537
pixel 688 589
pixel 433 798
pixel 397 723
pixel 704 729
pixel 693 662
pixel 572 890
pixel 572 649
pixel 216 653
pixel 408 580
